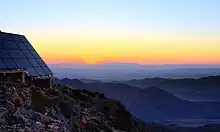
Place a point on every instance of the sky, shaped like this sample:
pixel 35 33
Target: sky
pixel 131 31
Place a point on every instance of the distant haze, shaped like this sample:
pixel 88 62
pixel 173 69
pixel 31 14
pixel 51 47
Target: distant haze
pixel 127 71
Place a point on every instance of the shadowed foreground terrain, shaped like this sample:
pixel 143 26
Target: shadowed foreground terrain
pixel 59 109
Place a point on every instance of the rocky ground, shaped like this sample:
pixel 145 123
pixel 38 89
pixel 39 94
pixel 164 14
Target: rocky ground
pixel 61 109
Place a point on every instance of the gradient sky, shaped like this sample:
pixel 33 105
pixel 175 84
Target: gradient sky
pixel 140 31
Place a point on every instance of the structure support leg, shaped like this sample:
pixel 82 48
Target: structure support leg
pixel 23 77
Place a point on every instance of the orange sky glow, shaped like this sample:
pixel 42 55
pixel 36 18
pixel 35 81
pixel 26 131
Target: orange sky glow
pixel 92 48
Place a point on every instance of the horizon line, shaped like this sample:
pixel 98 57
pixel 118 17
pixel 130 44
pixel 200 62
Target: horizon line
pixel 71 63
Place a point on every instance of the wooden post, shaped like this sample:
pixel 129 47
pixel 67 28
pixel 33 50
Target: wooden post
pixel 23 77
pixel 4 77
pixel 50 82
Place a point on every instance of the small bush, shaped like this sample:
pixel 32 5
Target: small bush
pixel 39 100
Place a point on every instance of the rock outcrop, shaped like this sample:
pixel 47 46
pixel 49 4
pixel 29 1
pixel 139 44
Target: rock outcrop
pixel 62 109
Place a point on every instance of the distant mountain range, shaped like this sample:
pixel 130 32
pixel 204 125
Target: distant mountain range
pixel 127 71
pixel 205 88
pixel 153 103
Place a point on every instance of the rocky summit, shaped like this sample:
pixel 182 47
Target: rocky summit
pixel 26 108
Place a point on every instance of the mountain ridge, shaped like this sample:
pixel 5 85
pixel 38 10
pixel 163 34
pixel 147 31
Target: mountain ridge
pixel 160 104
pixel 205 88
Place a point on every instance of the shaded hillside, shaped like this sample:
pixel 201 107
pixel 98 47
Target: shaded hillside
pixel 211 81
pixel 151 104
pixel 206 88
pixel 61 108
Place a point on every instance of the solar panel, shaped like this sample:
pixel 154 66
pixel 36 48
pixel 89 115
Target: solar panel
pixel 0 35
pixel 28 45
pixel 23 38
pixel 14 37
pixel 35 54
pixel 24 63
pixel 32 72
pixel 40 62
pixel 3 54
pixel 1 45
pixel 9 44
pixel 10 64
pixel 28 54
pixel 6 36
pixel 47 70
pixel 40 71
pixel 34 62
pixel 2 65
pixel 21 45
pixel 17 53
